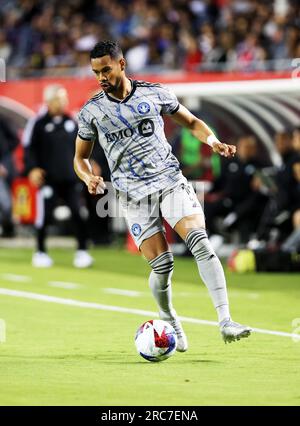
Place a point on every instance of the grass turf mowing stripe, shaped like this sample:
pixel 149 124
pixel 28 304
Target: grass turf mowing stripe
pixel 98 306
pixel 64 284
pixel 16 278
pixel 121 292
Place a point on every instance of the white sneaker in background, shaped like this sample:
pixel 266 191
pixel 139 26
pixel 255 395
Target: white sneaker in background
pixel 41 260
pixel 82 259
pixel 216 241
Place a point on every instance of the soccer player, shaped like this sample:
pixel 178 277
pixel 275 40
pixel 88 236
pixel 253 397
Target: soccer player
pixel 126 119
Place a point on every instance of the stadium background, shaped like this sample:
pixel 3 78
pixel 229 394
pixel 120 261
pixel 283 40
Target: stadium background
pixel 235 63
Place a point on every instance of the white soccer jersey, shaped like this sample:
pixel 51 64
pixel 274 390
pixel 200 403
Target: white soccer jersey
pixel 131 133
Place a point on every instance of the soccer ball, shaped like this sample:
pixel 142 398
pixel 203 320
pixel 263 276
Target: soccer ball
pixel 156 340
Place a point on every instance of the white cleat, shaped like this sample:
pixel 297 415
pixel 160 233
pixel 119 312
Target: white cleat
pixel 182 343
pixel 82 259
pixel 41 260
pixel 232 331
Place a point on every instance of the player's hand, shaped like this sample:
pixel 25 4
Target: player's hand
pixel 37 177
pixel 224 149
pixel 96 185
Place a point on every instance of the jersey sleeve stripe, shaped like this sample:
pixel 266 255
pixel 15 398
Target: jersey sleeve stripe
pixel 175 109
pixel 84 138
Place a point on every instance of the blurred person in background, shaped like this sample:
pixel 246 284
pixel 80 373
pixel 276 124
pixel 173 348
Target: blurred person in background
pixel 233 196
pixel 49 152
pixel 8 142
pixel 193 55
pixel 274 256
pixel 292 243
pixel 296 140
pixel 276 221
pixel 284 145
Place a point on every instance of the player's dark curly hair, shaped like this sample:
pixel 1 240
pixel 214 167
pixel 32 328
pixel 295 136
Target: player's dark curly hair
pixel 106 47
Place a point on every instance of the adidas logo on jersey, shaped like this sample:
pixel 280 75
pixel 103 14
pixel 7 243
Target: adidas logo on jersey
pixel 105 118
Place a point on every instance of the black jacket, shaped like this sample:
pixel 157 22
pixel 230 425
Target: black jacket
pixel 52 147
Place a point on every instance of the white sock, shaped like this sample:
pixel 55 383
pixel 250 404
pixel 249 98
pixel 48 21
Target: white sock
pixel 160 283
pixel 210 270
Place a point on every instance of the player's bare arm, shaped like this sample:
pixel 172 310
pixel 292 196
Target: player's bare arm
pixel 83 167
pixel 201 131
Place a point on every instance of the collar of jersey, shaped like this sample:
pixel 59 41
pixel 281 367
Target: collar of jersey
pixel 122 101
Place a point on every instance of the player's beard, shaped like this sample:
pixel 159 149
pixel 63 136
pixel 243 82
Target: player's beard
pixel 113 88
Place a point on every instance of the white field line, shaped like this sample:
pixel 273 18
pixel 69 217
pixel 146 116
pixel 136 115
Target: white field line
pixel 98 306
pixel 64 284
pixel 16 278
pixel 121 292
pixel 118 291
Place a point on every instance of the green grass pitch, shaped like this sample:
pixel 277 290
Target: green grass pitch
pixel 57 354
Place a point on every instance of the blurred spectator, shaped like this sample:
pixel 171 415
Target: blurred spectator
pixel 189 34
pixel 276 258
pixel 249 51
pixel 290 201
pixel 223 52
pixel 233 196
pixel 8 142
pixel 277 222
pixel 193 55
pixel 284 145
pixel 49 153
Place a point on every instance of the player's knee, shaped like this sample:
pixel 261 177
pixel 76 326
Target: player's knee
pixel 199 244
pixel 163 264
